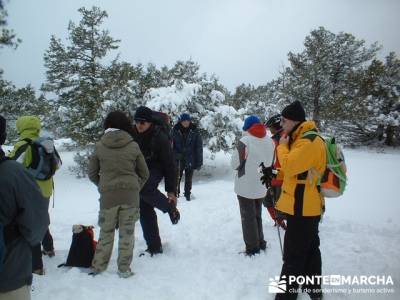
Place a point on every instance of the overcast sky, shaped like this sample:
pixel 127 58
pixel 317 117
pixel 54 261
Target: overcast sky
pixel 241 41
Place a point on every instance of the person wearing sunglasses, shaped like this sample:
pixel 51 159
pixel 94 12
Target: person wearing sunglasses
pixel 157 151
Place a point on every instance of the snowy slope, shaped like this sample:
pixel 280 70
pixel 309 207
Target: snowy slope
pixel 360 235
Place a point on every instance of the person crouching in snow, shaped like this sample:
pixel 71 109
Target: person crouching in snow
pixel 119 170
pixel 254 148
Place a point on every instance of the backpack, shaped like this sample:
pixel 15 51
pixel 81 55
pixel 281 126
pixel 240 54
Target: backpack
pixel 163 120
pixel 333 181
pixel 45 158
pixel 83 247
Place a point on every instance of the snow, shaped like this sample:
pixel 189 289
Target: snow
pixel 172 97
pixel 360 234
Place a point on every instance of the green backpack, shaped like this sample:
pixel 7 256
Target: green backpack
pixel 333 181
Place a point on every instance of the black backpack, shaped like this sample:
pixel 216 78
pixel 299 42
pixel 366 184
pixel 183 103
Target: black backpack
pixel 82 248
pixel 164 123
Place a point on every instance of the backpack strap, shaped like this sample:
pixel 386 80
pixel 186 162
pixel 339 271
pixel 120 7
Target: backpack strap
pixel 21 149
pixel 311 135
pixel 312 173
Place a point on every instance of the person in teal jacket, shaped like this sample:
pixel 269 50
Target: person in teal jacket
pixel 29 127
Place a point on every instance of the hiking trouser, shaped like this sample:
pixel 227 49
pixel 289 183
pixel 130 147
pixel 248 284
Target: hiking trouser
pixel 22 293
pixel 301 254
pixel 37 261
pixel 126 217
pixel 188 179
pixel 47 242
pixel 151 197
pixel 250 212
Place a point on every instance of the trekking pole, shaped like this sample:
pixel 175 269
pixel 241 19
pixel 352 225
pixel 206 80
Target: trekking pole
pixel 53 193
pixel 279 236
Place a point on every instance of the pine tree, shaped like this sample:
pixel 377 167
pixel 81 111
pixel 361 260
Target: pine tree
pixel 7 36
pixel 78 76
pixel 321 76
pixel 16 102
pixel 382 104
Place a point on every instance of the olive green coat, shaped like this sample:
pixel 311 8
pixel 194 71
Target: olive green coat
pixel 118 168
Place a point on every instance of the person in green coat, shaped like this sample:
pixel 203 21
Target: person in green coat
pixel 29 127
pixel 117 167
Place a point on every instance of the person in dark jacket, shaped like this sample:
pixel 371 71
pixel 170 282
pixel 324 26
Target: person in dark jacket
pixel 24 215
pixel 157 151
pixel 188 150
pixel 273 193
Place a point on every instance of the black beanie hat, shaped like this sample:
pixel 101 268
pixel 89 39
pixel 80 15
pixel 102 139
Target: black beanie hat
pixel 3 133
pixel 294 111
pixel 143 113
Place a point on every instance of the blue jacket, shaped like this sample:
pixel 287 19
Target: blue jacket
pixel 188 146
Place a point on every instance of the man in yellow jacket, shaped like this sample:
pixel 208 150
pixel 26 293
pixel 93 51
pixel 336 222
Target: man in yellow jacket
pixel 28 128
pixel 303 160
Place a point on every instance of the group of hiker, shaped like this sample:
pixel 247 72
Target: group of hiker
pixel 128 164
pixel 291 162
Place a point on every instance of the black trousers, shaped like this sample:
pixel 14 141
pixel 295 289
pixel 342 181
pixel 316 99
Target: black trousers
pixel 47 242
pixel 150 198
pixel 250 212
pixel 188 177
pixel 301 256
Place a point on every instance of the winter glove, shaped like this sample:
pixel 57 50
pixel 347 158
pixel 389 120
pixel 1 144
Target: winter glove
pixel 278 218
pixel 281 222
pixel 268 175
pixel 172 198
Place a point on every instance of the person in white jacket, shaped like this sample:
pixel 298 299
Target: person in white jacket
pixel 254 148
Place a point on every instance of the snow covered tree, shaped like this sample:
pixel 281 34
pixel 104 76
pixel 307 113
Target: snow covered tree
pixel 15 103
pixel 77 75
pixel 243 94
pixel 218 122
pixel 321 76
pixel 122 91
pixel 187 71
pixel 383 100
pixel 7 36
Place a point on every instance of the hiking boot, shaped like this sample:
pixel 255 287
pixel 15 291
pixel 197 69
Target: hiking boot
pixel 49 253
pixel 187 196
pixel 263 245
pixel 174 215
pixel 125 274
pixel 93 272
pixel 250 253
pixel 39 272
pixel 152 251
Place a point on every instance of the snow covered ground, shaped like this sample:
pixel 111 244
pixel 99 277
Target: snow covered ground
pixel 360 235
